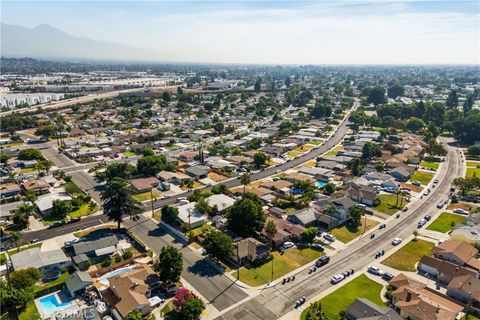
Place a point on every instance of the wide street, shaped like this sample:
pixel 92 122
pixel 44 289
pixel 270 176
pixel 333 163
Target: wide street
pixel 280 299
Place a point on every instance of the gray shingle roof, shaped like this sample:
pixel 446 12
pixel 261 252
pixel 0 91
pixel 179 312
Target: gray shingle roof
pixel 92 245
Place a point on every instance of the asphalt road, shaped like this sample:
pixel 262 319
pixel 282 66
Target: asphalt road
pixel 280 299
pixel 59 159
pixel 216 288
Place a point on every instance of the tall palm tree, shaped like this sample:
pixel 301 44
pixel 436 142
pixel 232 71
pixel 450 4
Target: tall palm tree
pixel 25 208
pixel 397 193
pixel 117 201
pixel 270 230
pixel 403 195
pixel 245 180
pixel 16 236
pixel 331 210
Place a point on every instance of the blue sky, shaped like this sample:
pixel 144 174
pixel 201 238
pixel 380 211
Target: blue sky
pixel 291 32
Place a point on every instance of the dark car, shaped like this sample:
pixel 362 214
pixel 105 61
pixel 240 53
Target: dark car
pixel 388 276
pixel 322 261
pixel 427 217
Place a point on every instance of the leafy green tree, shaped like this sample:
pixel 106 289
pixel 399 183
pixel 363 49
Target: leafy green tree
pixel 30 154
pixel 245 217
pixel 117 201
pixel 219 127
pixel 46 131
pixel 414 124
pixel 220 189
pixel 321 110
pixel 270 230
pixel 355 165
pixel 329 188
pixel 396 90
pixel 371 150
pixel 356 212
pixel 218 245
pixel 309 234
pixel 452 100
pixel 202 206
pixel 419 110
pixel 260 159
pixel 435 148
pixel 169 264
pixel 191 309
pixel 60 208
pixel 376 96
pixel 474 150
pixel 134 315
pixel 151 165
pixel 24 278
pixel 314 312
pixel 169 214
pixel 16 236
pixel 258 85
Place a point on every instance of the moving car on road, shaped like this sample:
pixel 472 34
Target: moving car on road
pixel 337 278
pixel 396 241
pixel 322 261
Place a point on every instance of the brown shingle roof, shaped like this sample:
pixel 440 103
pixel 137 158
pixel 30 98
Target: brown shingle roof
pixel 460 249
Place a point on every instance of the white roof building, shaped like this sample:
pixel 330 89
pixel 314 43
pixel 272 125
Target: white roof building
pixel 221 201
pixel 45 202
pixel 189 215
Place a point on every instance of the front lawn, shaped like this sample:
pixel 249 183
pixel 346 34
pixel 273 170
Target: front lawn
pixel 334 151
pixel 3 258
pixel 84 210
pixel 430 165
pixel 446 222
pixel 282 264
pixel 347 233
pixel 145 196
pixel 407 257
pixel 473 164
pixel 129 154
pixel 340 299
pixel 50 219
pixel 471 172
pixel 422 177
pixel 388 204
pixel 71 188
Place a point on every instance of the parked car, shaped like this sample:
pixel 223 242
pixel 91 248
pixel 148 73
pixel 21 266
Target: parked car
pixel 440 205
pixel 317 246
pixel 322 261
pixel 427 217
pixel 461 211
pixel 388 276
pixel 416 183
pixel 405 209
pixel 426 192
pixel 287 245
pixel 382 226
pixel 421 223
pixel 396 241
pixel 329 237
pixel 337 278
pixel 375 270
pixel 435 181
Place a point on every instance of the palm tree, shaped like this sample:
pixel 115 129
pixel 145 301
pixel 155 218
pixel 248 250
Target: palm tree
pixel 16 236
pixel 403 195
pixel 25 208
pixel 398 192
pixel 45 165
pixel 117 201
pixel 331 210
pixel 245 180
pixel 270 230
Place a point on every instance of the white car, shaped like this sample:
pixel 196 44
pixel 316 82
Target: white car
pixel 396 241
pixel 329 237
pixel 461 211
pixel 376 270
pixel 421 222
pixel 337 278
pixel 287 245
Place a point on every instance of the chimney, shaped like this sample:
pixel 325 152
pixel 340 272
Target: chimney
pixel 409 296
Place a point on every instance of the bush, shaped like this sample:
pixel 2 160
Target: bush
pixel 259 262
pixel 127 255
pixel 106 263
pixel 117 259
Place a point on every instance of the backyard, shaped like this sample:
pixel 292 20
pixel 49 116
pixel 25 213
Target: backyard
pixel 407 257
pixel 422 176
pixel 282 264
pixel 51 284
pixel 29 313
pixel 446 222
pixel 346 233
pixel 340 299
pixel 388 204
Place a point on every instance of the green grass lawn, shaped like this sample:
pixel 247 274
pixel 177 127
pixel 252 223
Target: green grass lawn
pixel 333 151
pixel 473 164
pixel 129 153
pixel 422 177
pixel 53 283
pixel 388 204
pixel 346 233
pixel 145 196
pixel 80 212
pixel 315 142
pixel 282 264
pixel 406 258
pixel 29 313
pixel 72 188
pixel 50 219
pixel 340 299
pixel 469 317
pixel 430 165
pixel 473 172
pixel 35 245
pixel 3 258
pixel 446 222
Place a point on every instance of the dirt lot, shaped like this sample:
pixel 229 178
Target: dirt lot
pixel 216 176
pixel 411 187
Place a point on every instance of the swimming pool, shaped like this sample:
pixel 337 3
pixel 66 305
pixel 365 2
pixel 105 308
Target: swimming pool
pixel 320 184
pixel 104 279
pixel 54 302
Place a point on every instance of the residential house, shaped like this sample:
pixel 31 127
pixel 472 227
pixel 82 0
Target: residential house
pixel 340 216
pixel 285 231
pixel 400 174
pixel 44 202
pixel 466 288
pixel 221 201
pixel 187 156
pixel 8 209
pixel 298 177
pixel 9 191
pixel 81 261
pixel 77 281
pixel 443 271
pixel 96 247
pixel 364 309
pixel 413 300
pixel 366 195
pixel 198 171
pixel 190 216
pixel 37 186
pixel 173 177
pixel 319 173
pixel 306 217
pixel 132 290
pixel 458 252
pixel 331 165
pixel 249 250
pixel 144 184
pixel 42 260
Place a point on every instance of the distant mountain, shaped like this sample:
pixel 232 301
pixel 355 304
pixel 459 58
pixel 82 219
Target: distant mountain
pixel 47 42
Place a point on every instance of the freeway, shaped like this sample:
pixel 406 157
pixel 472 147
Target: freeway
pixel 279 299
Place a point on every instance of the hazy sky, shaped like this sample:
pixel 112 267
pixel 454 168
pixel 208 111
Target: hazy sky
pixel 316 32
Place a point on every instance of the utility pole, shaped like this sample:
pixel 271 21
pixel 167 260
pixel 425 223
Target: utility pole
pixel 365 224
pixel 238 262
pixel 151 197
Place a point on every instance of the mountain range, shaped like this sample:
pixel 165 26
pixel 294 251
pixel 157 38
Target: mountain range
pixel 47 42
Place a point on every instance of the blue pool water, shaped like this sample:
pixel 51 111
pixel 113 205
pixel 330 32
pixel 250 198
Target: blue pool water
pixel 296 191
pixel 104 279
pixel 320 184
pixel 54 302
